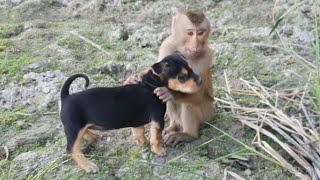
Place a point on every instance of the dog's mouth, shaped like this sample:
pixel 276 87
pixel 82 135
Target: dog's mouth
pixel 190 86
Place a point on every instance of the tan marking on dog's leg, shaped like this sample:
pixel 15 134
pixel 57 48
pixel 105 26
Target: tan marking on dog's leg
pixel 138 133
pixel 91 136
pixel 155 138
pixel 78 156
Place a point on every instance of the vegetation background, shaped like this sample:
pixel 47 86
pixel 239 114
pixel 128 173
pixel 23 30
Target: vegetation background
pixel 270 45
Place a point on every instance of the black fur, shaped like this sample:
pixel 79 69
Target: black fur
pixel 117 107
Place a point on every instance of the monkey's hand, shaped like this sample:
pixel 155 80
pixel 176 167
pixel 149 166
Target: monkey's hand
pixel 133 79
pixel 174 138
pixel 163 93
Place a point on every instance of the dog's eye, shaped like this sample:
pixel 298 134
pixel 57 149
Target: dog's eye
pixel 182 77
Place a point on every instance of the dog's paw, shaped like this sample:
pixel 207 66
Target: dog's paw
pixel 160 151
pixel 91 167
pixel 142 141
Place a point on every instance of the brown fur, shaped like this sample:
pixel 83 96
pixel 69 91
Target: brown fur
pixel 155 138
pixel 196 17
pixel 187 111
pixel 138 133
pixel 187 87
pixel 78 156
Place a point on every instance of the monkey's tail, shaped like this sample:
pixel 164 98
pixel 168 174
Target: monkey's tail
pixel 65 88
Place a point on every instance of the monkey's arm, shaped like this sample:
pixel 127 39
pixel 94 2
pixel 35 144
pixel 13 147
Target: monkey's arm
pixel 135 78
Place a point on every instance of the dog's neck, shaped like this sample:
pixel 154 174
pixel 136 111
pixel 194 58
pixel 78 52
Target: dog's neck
pixel 151 81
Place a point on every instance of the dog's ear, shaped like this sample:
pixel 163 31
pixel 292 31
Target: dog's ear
pixel 157 68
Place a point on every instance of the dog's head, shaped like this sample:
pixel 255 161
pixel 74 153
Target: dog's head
pixel 176 75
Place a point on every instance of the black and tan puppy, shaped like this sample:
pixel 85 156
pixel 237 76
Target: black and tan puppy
pixel 133 106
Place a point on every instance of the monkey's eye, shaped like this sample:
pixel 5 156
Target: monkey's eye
pixel 190 33
pixel 200 33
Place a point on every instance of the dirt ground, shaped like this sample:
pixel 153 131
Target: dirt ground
pixel 42 42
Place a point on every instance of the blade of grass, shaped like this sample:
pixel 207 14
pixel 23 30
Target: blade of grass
pixel 282 16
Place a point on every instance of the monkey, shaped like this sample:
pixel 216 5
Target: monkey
pixel 189 36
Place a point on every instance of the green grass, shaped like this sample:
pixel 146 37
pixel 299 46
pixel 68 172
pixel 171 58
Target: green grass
pixel 11 64
pixel 10 30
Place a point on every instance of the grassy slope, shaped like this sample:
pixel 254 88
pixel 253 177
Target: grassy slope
pixel 49 40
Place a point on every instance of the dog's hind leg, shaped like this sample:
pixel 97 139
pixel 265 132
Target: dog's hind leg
pixel 155 138
pixel 138 133
pixel 91 136
pixel 78 156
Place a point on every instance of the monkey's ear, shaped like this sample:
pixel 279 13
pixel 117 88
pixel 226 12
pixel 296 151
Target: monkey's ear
pixel 157 68
pixel 173 23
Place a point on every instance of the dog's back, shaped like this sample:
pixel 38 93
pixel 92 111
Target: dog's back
pixel 112 108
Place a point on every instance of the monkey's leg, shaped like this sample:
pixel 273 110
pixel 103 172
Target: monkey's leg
pixel 191 117
pixel 173 111
pixel 138 133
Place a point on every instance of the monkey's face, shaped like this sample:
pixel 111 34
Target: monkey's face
pixel 177 75
pixel 192 37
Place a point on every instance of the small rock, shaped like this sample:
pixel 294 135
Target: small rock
pixel 26 156
pixel 286 31
pixel 30 77
pixel 121 34
pixel 111 67
pixel 129 67
pixel 108 139
pixel 130 56
pixel 217 32
pixel 145 43
pixel 306 9
pixel 48 74
pixel 23 125
pixel 144 155
pixel 247 172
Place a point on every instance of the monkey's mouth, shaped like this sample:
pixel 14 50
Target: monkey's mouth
pixel 190 53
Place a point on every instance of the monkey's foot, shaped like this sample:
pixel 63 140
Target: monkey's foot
pixel 169 130
pixel 177 137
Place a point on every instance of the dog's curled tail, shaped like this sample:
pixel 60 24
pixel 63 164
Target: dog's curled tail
pixel 65 88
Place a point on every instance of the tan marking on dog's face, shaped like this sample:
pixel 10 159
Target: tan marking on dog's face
pixel 189 86
pixel 184 71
